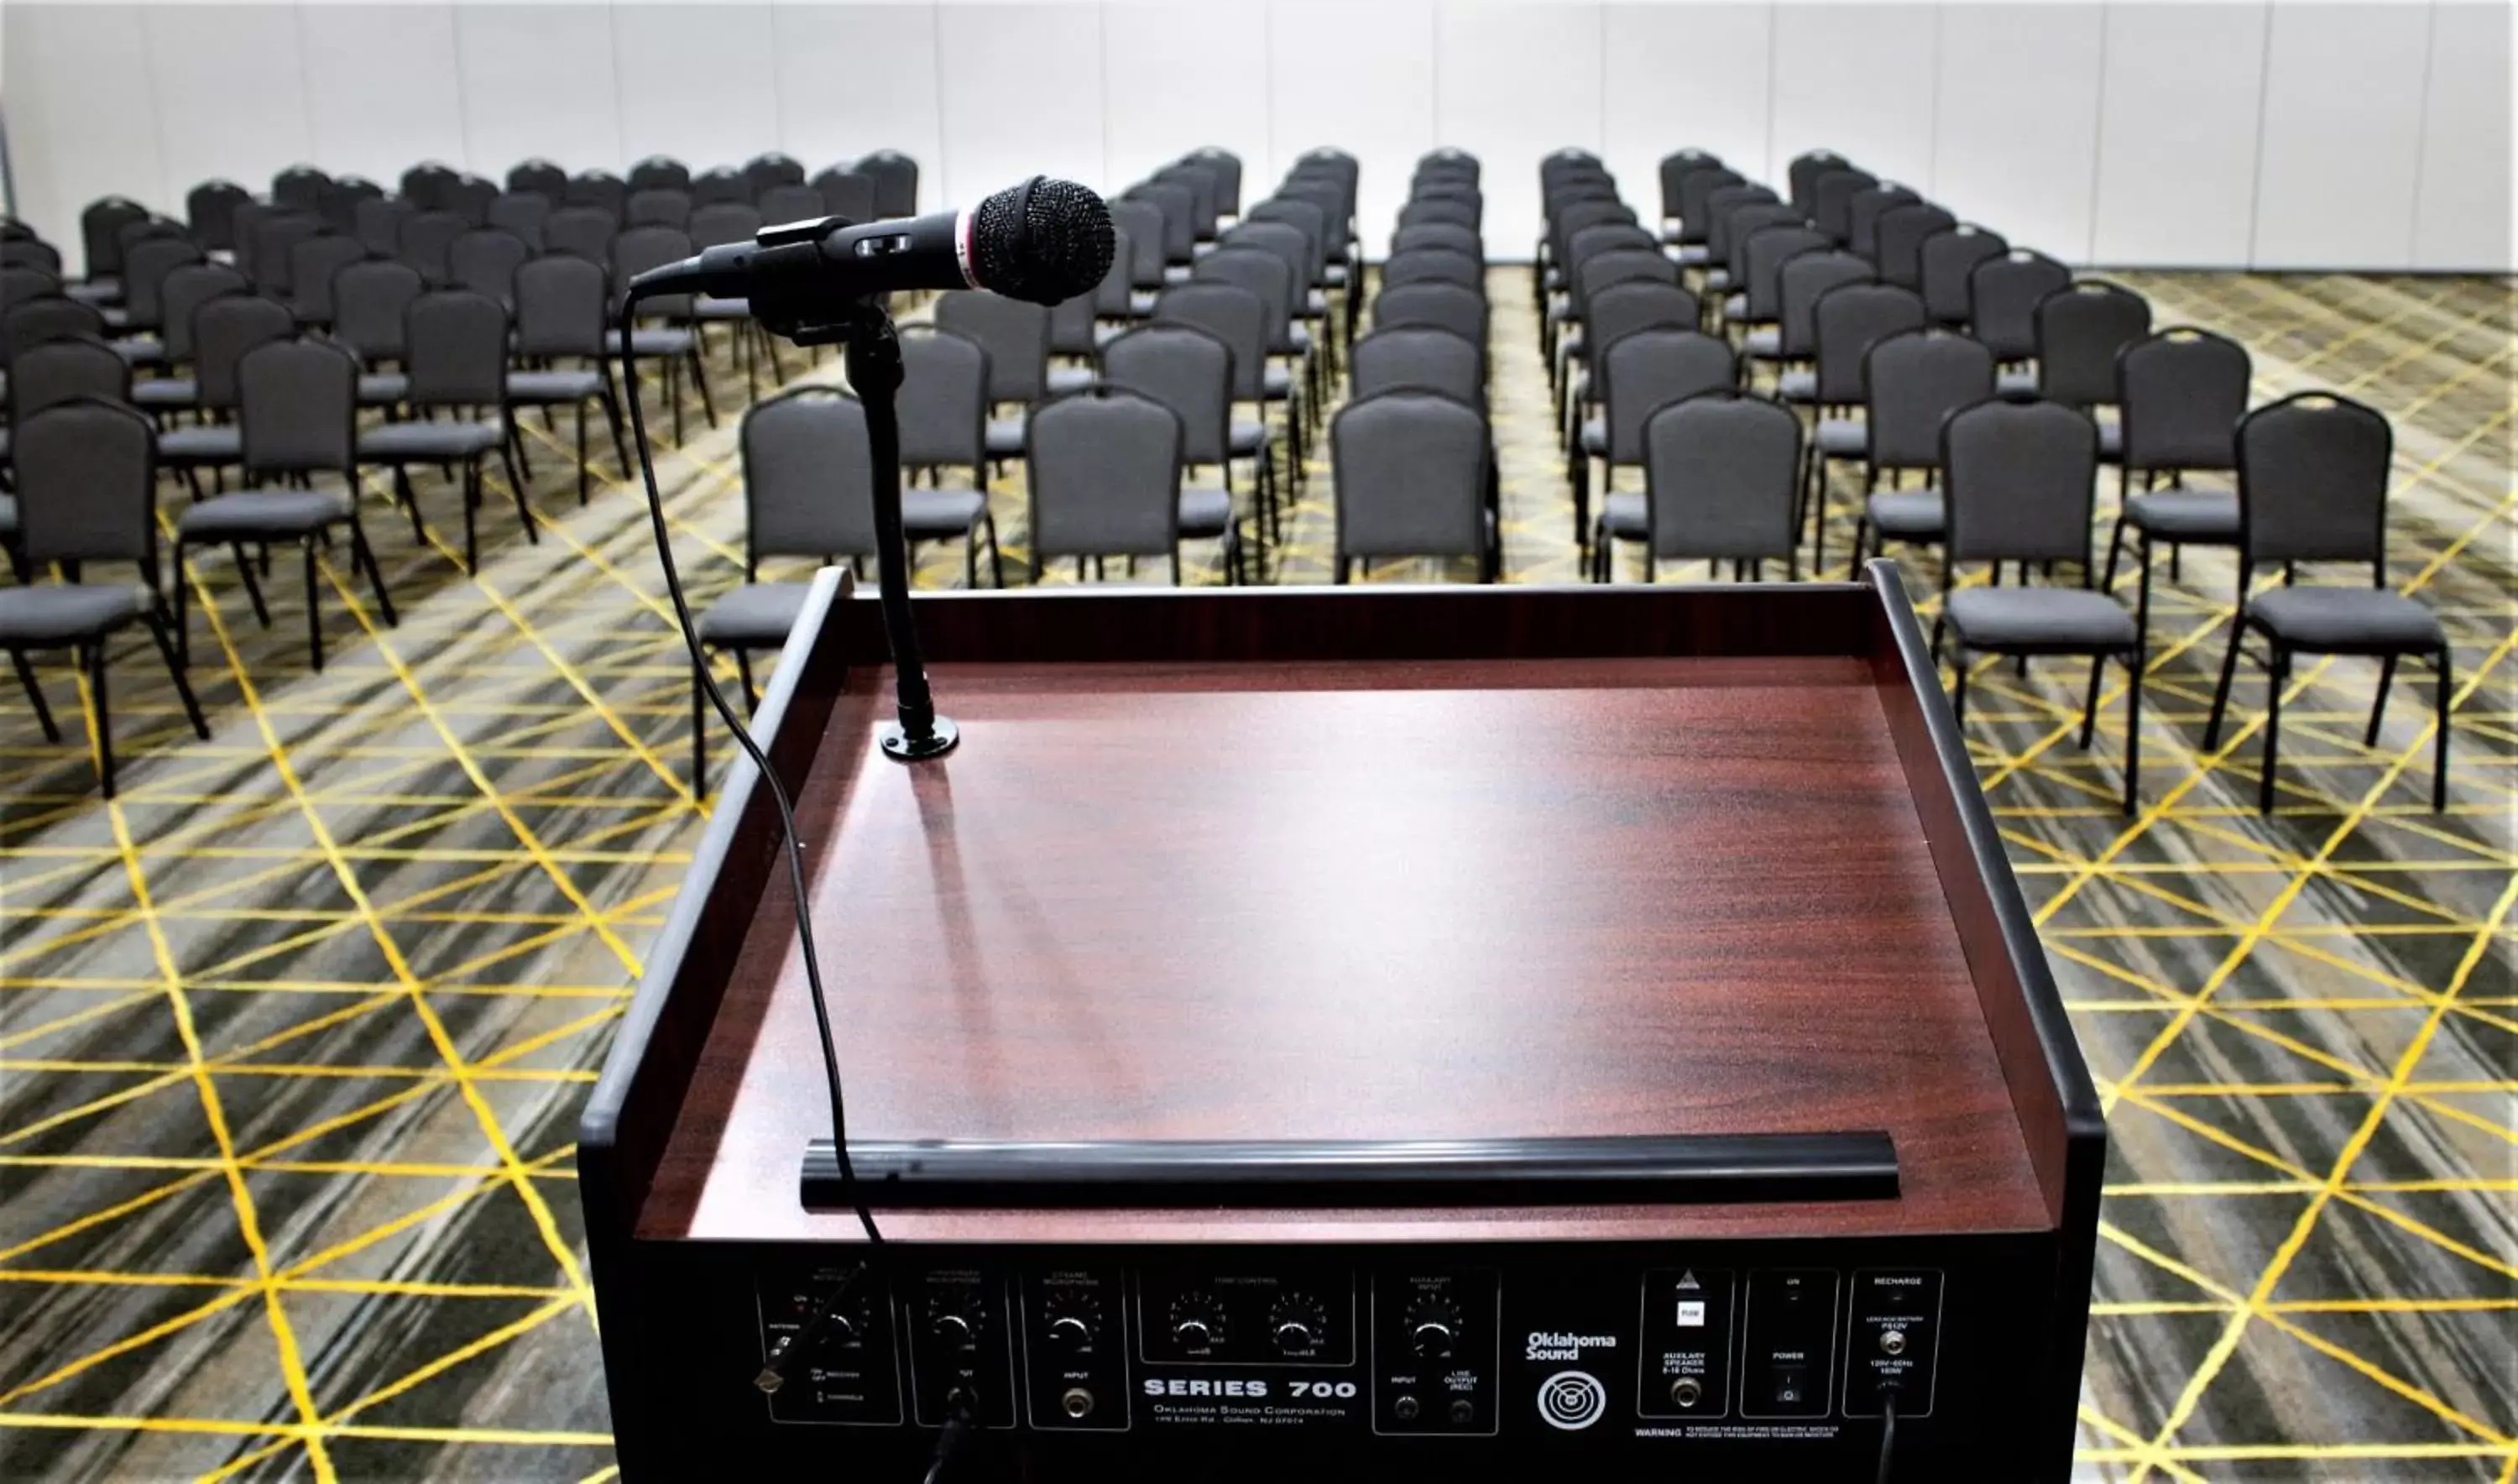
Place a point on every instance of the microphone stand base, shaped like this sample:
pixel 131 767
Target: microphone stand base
pixel 899 745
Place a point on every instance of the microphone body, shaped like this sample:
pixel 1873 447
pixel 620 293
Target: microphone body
pixel 899 256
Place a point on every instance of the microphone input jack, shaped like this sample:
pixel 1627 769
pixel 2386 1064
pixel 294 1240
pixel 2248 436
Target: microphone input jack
pixel 1686 1391
pixel 1404 1409
pixel 1076 1403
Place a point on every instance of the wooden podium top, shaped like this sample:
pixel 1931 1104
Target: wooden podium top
pixel 1256 893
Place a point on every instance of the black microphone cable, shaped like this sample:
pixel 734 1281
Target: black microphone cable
pixel 949 1441
pixel 795 849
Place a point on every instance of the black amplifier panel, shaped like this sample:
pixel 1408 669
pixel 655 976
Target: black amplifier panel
pixel 1768 1348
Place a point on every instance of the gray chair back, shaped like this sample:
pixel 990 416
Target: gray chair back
pixel 1115 298
pixel 1422 357
pixel 369 302
pixel 1447 236
pixel 942 405
pixel 86 476
pixel 540 177
pixel 1724 204
pixel 1180 217
pixel 378 223
pixel 1071 326
pixel 1461 311
pixel 37 321
pixel 1103 467
pixel 28 252
pixel 560 302
pixel 297 405
pixel 1299 248
pixel 424 184
pixel 659 172
pixel 186 290
pixel 1439 208
pixel 1901 241
pixel 1233 314
pixel 722 184
pixel 275 238
pixel 101 233
pixel 1577 217
pixel 2181 394
pixel 585 232
pixel 772 168
pixel 1142 222
pixel 2313 478
pixel 1915 379
pixel 722 221
pixel 224 330
pixel 1693 194
pixel 1744 223
pixel 1862 214
pixel 1621 309
pixel 2018 478
pixel 459 350
pixel 895 183
pixel 486 261
pixel 312 267
pixel 1948 261
pixel 341 202
pixel 639 248
pixel 1308 217
pixel 658 207
pixel 1844 324
pixel 209 208
pixel 1831 207
pixel 1764 254
pixel 1227 166
pixel 1336 199
pixel 1409 472
pixel 1722 477
pixel 1648 369
pixel 522 213
pixel 65 371
pixel 18 285
pixel 470 199
pixel 1014 333
pixel 2003 295
pixel 846 193
pixel 144 278
pixel 1674 168
pixel 1200 183
pixel 2080 330
pixel 1583 243
pixel 1802 173
pixel 1186 369
pixel 428 243
pixel 1264 274
pixel 808 476
pixel 1600 271
pixel 1436 265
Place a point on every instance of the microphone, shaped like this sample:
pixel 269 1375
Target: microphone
pixel 1043 241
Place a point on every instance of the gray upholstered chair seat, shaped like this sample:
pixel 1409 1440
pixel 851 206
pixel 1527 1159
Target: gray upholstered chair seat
pixel 1276 382
pixel 165 391
pixel 1693 254
pixel 2028 619
pixel 2010 382
pixel 1717 281
pixel 95 292
pixel 1205 512
pixel 1315 302
pixel 1907 514
pixel 248 514
pixel 1175 273
pixel 1842 437
pixel 940 514
pixel 709 308
pixel 1296 341
pixel 1736 307
pixel 1064 379
pixel 218 440
pixel 383 388
pixel 1562 313
pixel 37 614
pixel 754 616
pixel 422 442
pixel 2334 620
pixel 1104 334
pixel 661 341
pixel 1764 345
pixel 1595 438
pixel 2185 515
pixel 1005 436
pixel 1623 514
pixel 1141 301
pixel 8 504
pixel 1797 385
pixel 2110 440
pixel 1336 275
pixel 1247 439
pixel 538 386
pixel 141 350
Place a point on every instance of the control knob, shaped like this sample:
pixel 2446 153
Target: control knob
pixel 955 1318
pixel 1198 1322
pixel 1434 1326
pixel 1073 1318
pixel 1298 1324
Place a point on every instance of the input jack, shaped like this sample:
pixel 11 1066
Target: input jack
pixel 1686 1391
pixel 1076 1403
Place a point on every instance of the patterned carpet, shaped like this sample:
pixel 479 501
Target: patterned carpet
pixel 292 1034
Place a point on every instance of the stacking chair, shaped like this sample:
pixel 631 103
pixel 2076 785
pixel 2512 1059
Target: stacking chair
pixel 299 416
pixel 1299 237
pixel 658 172
pixel 1461 311
pixel 1695 188
pixel 180 297
pixel 300 188
pixel 1440 235
pixel 792 203
pixel 1862 215
pixel 456 344
pixel 771 169
pixel 522 213
pixel 469 199
pixel 2313 479
pixel 1616 312
pixel 100 227
pixel 1190 371
pixel 209 209
pixel 1734 230
pixel 2021 474
pixel 599 189
pixel 539 177
pixel 1831 203
pixel 1422 358
pixel 1912 382
pixel 275 242
pixel 1721 478
pixel 1273 279
pixel 1759 301
pixel 658 206
pixel 1644 372
pixel 371 305
pixel 846 192
pixel 486 260
pixel 942 405
pixel 1227 166
pixel 1902 232
pixel 668 332
pixel 585 232
pixel 1141 225
pixel 1794 337
pixel 1801 174
pixel 1411 471
pixel 1015 336
pixel 224 329
pixel 426 184
pixel 428 245
pixel 1105 479
pixel 2080 330
pixel 1845 322
pixel 895 183
pixel 342 201
pixel 2003 295
pixel 145 270
pixel 1674 170
pixel 313 264
pixel 2179 394
pixel 86 475
pixel 1239 318
pixel 560 316
pixel 378 223
pixel 53 316
pixel 1946 266
pixel 1115 298
pixel 46 376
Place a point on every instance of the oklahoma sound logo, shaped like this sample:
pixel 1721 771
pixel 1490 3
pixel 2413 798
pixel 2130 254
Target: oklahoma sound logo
pixel 1556 1345
pixel 1571 1400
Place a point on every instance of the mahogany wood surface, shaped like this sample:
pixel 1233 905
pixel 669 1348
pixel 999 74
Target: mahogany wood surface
pixel 1398 898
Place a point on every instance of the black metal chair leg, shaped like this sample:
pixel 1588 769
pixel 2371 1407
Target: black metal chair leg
pixel 2378 707
pixel 620 442
pixel 410 498
pixel 364 556
pixel 175 669
pixel 524 512
pixel 2221 692
pixel 252 584
pixel 2278 672
pixel 2116 547
pixel 2439 745
pixel 34 695
pixel 471 505
pixel 699 373
pixel 1958 686
pixel 751 690
pixel 313 614
pixel 583 474
pixel 2089 706
pixel 2135 664
pixel 996 554
pixel 100 715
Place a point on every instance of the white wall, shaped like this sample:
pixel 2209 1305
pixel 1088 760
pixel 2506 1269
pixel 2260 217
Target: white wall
pixel 2272 133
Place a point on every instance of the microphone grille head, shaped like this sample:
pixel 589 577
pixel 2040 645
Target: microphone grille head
pixel 1043 241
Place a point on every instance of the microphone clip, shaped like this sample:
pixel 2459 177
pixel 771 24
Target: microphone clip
pixel 790 293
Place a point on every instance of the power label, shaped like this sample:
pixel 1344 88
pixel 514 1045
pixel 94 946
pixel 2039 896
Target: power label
pixel 1328 1401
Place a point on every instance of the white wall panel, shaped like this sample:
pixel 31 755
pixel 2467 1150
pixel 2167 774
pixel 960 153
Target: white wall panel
pixel 2342 136
pixel 2177 134
pixel 231 86
pixel 1857 79
pixel 2016 145
pixel 695 82
pixel 383 89
pixel 1684 77
pixel 856 78
pixel 1179 77
pixel 538 79
pixel 1359 77
pixel 71 138
pixel 2461 217
pixel 1022 95
pixel 1493 63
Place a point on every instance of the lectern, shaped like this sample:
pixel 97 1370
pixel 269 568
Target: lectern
pixel 1593 1032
